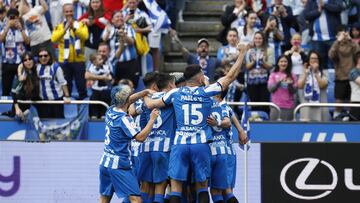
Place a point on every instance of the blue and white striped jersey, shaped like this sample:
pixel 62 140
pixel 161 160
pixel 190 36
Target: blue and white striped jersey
pixel 220 144
pixel 230 112
pixel 129 52
pixel 321 28
pixel 119 130
pixel 163 132
pixel 192 106
pixel 140 122
pixel 51 81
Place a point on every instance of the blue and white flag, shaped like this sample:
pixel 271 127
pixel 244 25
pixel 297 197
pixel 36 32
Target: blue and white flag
pixel 57 129
pixel 159 18
pixel 245 124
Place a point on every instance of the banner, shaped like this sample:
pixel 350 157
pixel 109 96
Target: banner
pixel 303 173
pixel 60 129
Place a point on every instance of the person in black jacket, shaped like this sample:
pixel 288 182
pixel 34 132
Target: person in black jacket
pixel 232 17
pixel 26 89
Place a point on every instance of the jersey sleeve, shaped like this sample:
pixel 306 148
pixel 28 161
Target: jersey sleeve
pixel 129 126
pixel 213 89
pixel 168 98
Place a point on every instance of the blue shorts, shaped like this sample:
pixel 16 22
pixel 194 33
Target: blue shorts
pixel 220 173
pixel 135 160
pixel 232 169
pixel 190 157
pixel 121 181
pixel 153 166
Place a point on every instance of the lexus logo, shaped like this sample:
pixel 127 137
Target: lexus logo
pixel 312 163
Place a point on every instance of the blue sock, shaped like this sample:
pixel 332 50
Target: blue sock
pixel 159 198
pixel 144 196
pixel 175 194
pixel 201 190
pixel 167 196
pixel 228 196
pixel 217 198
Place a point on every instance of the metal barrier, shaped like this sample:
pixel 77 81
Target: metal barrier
pixel 258 104
pixel 10 101
pixel 298 107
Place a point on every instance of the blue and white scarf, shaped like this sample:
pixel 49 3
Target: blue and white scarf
pixel 311 89
pixel 75 41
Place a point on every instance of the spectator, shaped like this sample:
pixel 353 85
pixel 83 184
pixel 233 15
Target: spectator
pixel 273 36
pixel 321 14
pixel 342 53
pixel 232 17
pixel 258 6
pixel 132 14
pixel 104 52
pixel 14 38
pixel 246 33
pixel 282 84
pixel 354 77
pixel 27 88
pixel 96 20
pixel 122 37
pixel 202 58
pixel 53 86
pixel 100 73
pixel 285 21
pixel 297 55
pixel 258 63
pixel 36 25
pixel 71 36
pixel 314 83
pixel 355 32
pixel 229 53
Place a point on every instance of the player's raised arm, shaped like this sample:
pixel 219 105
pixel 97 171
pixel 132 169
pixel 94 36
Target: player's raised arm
pixel 235 69
pixel 145 132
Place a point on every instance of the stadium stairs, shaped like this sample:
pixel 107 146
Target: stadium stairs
pixel 201 19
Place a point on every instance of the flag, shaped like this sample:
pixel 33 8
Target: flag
pixel 245 124
pixel 159 18
pixel 57 129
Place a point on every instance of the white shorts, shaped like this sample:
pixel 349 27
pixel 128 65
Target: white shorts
pixel 154 39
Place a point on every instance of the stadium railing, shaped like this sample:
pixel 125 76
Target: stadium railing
pixel 270 104
pixel 10 101
pixel 298 107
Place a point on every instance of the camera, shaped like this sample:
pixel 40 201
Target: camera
pixel 132 12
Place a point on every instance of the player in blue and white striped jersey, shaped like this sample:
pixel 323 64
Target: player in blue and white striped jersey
pixel 154 161
pixel 243 139
pixel 116 174
pixel 192 105
pixel 220 148
pixel 137 110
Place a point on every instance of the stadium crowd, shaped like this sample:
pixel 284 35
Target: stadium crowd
pixel 282 51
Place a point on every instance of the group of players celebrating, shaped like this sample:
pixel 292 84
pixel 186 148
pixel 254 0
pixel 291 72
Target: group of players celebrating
pixel 179 144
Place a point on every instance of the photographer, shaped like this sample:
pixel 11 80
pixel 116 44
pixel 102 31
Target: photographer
pixel 14 38
pixel 342 53
pixel 121 38
pixel 100 73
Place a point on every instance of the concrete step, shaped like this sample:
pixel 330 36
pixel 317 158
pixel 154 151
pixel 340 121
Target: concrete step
pixel 199 26
pixel 202 15
pixel 174 67
pixel 206 5
pixel 178 57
